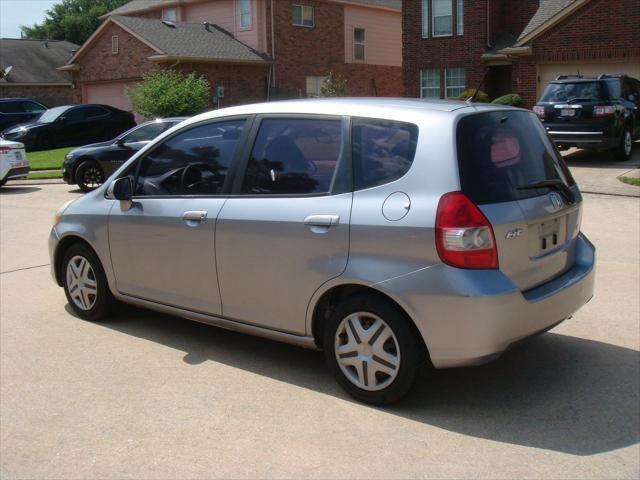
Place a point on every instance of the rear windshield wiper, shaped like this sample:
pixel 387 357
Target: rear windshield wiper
pixel 557 185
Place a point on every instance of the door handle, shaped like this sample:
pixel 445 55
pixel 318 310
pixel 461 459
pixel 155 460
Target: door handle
pixel 194 216
pixel 322 220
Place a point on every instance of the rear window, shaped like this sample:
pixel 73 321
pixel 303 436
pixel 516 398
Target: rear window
pixel 501 151
pixel 574 91
pixel 11 107
pixel 383 151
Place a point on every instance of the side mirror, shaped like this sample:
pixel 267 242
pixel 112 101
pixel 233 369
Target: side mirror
pixel 121 142
pixel 62 120
pixel 122 189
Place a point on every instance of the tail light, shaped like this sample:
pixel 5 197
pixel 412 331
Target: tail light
pixel 539 111
pixel 5 149
pixel 464 236
pixel 603 110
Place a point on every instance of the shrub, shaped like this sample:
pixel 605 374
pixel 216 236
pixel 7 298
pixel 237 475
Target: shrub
pixel 512 99
pixel 481 97
pixel 334 86
pixel 169 93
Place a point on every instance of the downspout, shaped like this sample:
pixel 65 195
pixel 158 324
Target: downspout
pixel 273 48
pixel 488 24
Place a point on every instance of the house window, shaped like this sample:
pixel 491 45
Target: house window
pixel 430 83
pixel 454 82
pixel 314 86
pixel 302 15
pixel 115 47
pixel 425 19
pixel 245 13
pixel 170 14
pixel 437 18
pixel 358 44
pixel 442 13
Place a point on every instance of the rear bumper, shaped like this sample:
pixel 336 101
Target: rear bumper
pixel 586 139
pixel 470 317
pixel 19 172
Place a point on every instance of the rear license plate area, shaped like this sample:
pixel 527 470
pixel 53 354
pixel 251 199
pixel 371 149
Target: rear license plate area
pixel 567 112
pixel 547 236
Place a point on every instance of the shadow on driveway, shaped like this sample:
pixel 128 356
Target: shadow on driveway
pixel 594 159
pixel 555 392
pixel 16 190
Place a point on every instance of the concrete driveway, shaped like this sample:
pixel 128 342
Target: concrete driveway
pixel 151 396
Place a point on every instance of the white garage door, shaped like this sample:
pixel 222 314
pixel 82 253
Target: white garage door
pixel 549 71
pixel 113 93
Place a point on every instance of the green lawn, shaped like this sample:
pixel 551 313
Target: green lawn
pixel 49 159
pixel 630 180
pixel 43 175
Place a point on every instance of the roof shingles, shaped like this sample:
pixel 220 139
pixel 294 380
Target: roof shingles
pixel 547 10
pixel 191 40
pixel 35 61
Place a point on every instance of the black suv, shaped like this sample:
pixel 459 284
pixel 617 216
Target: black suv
pixel 599 113
pixel 18 110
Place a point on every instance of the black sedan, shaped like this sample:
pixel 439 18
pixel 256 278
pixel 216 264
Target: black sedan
pixel 88 166
pixel 70 125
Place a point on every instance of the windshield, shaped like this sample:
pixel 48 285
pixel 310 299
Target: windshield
pixel 565 92
pixel 51 115
pixel 500 152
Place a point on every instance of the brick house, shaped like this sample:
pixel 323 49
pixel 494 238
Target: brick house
pixel 32 67
pixel 449 45
pixel 255 49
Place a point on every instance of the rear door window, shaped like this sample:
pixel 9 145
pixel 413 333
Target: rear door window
pixel 498 152
pixel 383 151
pixel 33 107
pixel 294 156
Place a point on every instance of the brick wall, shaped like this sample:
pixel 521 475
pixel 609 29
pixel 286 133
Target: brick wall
pixel 242 83
pixel 99 64
pixel 48 95
pixel 443 52
pixel 302 52
pixel 598 31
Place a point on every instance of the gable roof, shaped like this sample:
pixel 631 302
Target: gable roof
pixel 548 14
pixel 143 5
pixel 182 40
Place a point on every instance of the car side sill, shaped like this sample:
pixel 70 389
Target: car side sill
pixel 298 340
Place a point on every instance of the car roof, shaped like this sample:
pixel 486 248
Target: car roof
pixel 386 108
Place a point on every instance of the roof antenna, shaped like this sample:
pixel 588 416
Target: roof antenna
pixel 472 98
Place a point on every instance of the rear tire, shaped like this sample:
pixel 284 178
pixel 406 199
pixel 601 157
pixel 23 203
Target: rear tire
pixel 372 350
pixel 623 152
pixel 85 284
pixel 89 176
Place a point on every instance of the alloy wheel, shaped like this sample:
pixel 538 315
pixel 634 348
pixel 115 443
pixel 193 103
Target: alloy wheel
pixel 628 142
pixel 81 283
pixel 92 177
pixel 367 351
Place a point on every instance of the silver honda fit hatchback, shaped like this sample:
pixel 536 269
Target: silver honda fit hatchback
pixel 392 234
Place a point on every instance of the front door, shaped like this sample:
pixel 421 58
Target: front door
pixel 286 231
pixel 162 245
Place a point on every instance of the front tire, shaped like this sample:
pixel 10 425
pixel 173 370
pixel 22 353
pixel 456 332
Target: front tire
pixel 623 152
pixel 372 350
pixel 85 284
pixel 89 176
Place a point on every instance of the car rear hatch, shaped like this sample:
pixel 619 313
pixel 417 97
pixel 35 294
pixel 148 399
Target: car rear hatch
pixel 511 170
pixel 571 106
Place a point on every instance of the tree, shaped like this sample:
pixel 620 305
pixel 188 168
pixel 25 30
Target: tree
pixel 168 93
pixel 71 20
pixel 334 86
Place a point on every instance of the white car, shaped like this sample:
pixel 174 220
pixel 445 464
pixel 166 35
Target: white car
pixel 13 161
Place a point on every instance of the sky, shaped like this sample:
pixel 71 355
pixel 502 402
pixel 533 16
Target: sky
pixel 14 13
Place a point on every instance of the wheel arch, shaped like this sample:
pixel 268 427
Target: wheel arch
pixel 80 160
pixel 64 244
pixel 332 296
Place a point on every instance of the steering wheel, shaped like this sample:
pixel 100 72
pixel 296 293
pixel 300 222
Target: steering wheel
pixel 191 175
